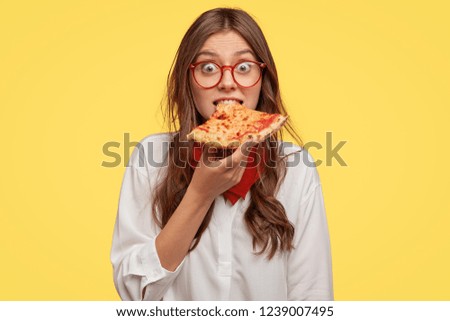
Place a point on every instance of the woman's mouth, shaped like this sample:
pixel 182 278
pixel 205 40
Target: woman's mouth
pixel 228 101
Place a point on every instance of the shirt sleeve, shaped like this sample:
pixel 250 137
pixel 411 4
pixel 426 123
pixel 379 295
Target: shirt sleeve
pixel 309 263
pixel 138 274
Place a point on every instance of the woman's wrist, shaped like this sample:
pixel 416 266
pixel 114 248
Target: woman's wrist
pixel 198 197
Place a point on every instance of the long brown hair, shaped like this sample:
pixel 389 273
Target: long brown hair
pixel 265 217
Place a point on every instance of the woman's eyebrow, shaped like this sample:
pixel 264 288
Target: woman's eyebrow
pixel 213 54
pixel 207 53
pixel 243 52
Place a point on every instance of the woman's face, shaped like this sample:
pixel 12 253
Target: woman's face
pixel 224 48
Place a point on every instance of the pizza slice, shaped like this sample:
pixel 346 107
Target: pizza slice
pixel 233 124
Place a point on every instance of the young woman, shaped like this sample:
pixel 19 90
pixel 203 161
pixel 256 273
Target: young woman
pixel 177 237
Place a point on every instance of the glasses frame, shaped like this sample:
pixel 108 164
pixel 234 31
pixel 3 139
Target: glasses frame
pixel 261 66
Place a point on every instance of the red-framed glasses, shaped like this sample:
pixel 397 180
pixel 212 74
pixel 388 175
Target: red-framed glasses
pixel 208 74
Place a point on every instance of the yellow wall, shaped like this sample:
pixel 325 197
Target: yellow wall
pixel 77 74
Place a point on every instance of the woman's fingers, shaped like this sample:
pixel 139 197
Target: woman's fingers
pixel 237 161
pixel 209 156
pixel 239 156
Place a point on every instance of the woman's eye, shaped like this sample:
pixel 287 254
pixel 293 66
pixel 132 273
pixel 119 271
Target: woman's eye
pixel 209 68
pixel 244 67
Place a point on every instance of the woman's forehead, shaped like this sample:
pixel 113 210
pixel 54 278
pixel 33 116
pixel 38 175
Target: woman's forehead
pixel 225 39
pixel 228 43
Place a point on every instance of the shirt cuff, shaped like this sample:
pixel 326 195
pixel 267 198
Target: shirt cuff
pixel 154 272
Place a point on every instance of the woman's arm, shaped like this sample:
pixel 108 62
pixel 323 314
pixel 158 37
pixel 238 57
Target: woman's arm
pixel 210 179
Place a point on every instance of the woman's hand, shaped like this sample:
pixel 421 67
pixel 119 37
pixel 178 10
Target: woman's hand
pixel 214 176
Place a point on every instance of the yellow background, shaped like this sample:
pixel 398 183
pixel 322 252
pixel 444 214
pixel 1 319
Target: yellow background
pixel 75 75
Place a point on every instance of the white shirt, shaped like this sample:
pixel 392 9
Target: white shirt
pixel 223 266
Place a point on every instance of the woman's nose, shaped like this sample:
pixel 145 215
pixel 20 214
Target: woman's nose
pixel 227 81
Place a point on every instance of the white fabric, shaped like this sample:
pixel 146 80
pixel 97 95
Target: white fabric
pixel 223 266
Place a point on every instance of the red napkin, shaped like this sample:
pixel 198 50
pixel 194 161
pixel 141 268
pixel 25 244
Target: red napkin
pixel 249 177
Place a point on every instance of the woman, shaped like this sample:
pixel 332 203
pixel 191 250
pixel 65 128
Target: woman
pixel 176 237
